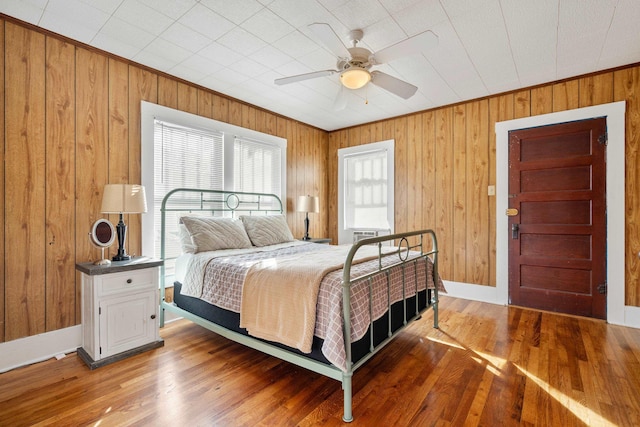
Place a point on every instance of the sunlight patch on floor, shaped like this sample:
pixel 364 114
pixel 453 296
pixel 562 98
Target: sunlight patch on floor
pixel 585 414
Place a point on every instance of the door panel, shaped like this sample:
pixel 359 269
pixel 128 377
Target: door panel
pixel 558 236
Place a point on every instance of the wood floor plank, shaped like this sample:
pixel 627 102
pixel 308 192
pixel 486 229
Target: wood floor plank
pixel 487 365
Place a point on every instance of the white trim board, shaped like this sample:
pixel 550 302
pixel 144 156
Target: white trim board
pixel 36 348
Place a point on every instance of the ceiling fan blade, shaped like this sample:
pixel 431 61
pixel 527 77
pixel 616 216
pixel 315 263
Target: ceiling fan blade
pixel 301 77
pixel 416 44
pixel 394 85
pixel 340 102
pixel 330 39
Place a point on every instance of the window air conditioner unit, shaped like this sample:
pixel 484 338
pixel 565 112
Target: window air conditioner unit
pixel 359 235
pixel 364 234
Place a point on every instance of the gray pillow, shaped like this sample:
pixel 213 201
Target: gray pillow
pixel 267 230
pixel 212 233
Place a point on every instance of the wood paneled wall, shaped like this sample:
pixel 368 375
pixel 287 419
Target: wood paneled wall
pixel 445 160
pixel 69 124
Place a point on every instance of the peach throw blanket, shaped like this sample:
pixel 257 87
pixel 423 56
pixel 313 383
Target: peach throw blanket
pixel 279 295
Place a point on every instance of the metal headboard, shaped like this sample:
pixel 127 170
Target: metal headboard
pixel 183 201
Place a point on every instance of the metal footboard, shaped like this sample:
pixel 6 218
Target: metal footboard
pixel 428 252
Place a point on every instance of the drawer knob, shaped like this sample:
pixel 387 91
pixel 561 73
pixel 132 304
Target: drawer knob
pixel 129 280
pixel 153 316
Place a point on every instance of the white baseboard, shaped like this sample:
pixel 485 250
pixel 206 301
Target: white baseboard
pixel 469 291
pixel 36 348
pixel 631 316
pixel 493 295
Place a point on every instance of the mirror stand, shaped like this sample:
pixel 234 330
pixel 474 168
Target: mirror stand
pixel 102 260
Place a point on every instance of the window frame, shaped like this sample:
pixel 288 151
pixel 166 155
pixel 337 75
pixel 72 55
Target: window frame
pixel 150 112
pixel 345 236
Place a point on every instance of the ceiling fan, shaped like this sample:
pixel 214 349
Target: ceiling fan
pixel 355 63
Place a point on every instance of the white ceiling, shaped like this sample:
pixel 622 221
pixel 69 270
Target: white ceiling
pixel 238 47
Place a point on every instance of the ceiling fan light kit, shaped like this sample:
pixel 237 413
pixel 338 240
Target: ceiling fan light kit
pixel 355 78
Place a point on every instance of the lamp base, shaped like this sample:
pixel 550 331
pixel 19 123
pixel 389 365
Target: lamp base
pixel 121 231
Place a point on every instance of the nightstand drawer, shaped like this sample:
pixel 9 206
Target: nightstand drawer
pixel 127 281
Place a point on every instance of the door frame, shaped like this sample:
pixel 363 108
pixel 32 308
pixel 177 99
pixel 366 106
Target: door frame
pixel 617 313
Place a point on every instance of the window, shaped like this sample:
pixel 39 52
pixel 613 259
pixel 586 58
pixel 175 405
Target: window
pixel 257 166
pixel 184 150
pixel 365 193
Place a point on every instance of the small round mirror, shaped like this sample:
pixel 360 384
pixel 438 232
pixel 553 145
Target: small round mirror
pixel 103 234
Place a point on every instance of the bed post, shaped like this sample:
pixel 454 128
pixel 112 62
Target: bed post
pixel 347 416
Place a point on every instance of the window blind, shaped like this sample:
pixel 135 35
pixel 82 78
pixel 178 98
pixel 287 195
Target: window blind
pixel 183 157
pixel 365 190
pixel 257 167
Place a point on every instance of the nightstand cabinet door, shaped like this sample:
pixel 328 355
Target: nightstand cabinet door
pixel 127 322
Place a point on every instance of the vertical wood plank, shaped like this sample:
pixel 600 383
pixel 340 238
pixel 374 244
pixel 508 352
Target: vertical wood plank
pixel 414 172
pixel 205 103
pixel 400 176
pixel 565 95
pixel 444 190
pixel 596 89
pixel 332 191
pixel 167 92
pixel 542 100
pixel 627 87
pixel 501 108
pixel 477 202
pixel 143 86
pixel 459 194
pixel 249 117
pixel 118 138
pixel 92 149
pixel 25 189
pixel 187 98
pixel 2 183
pixel 220 108
pixel 118 123
pixel 428 163
pixel 292 184
pixel 522 104
pixel 235 113
pixel 60 185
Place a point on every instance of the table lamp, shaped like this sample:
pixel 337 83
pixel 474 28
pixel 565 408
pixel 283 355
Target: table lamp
pixel 123 199
pixel 307 204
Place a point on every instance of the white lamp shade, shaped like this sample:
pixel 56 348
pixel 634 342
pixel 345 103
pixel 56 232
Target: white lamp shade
pixel 308 204
pixel 124 198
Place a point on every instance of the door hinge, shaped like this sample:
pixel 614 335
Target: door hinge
pixel 603 139
pixel 99 311
pixel 602 288
pixel 100 350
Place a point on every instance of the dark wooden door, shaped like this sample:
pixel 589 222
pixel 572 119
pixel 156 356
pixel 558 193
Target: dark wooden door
pixel 557 222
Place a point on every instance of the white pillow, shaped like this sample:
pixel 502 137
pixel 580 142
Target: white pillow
pixel 186 243
pixel 267 230
pixel 214 233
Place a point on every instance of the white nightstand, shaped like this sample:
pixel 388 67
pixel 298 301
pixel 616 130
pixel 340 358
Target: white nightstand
pixel 120 306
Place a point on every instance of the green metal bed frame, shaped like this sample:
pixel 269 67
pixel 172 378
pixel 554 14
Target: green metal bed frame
pixel 185 201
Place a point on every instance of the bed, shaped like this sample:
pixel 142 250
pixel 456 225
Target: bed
pixel 327 308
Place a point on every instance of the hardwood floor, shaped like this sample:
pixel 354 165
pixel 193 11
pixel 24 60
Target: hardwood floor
pixel 486 365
